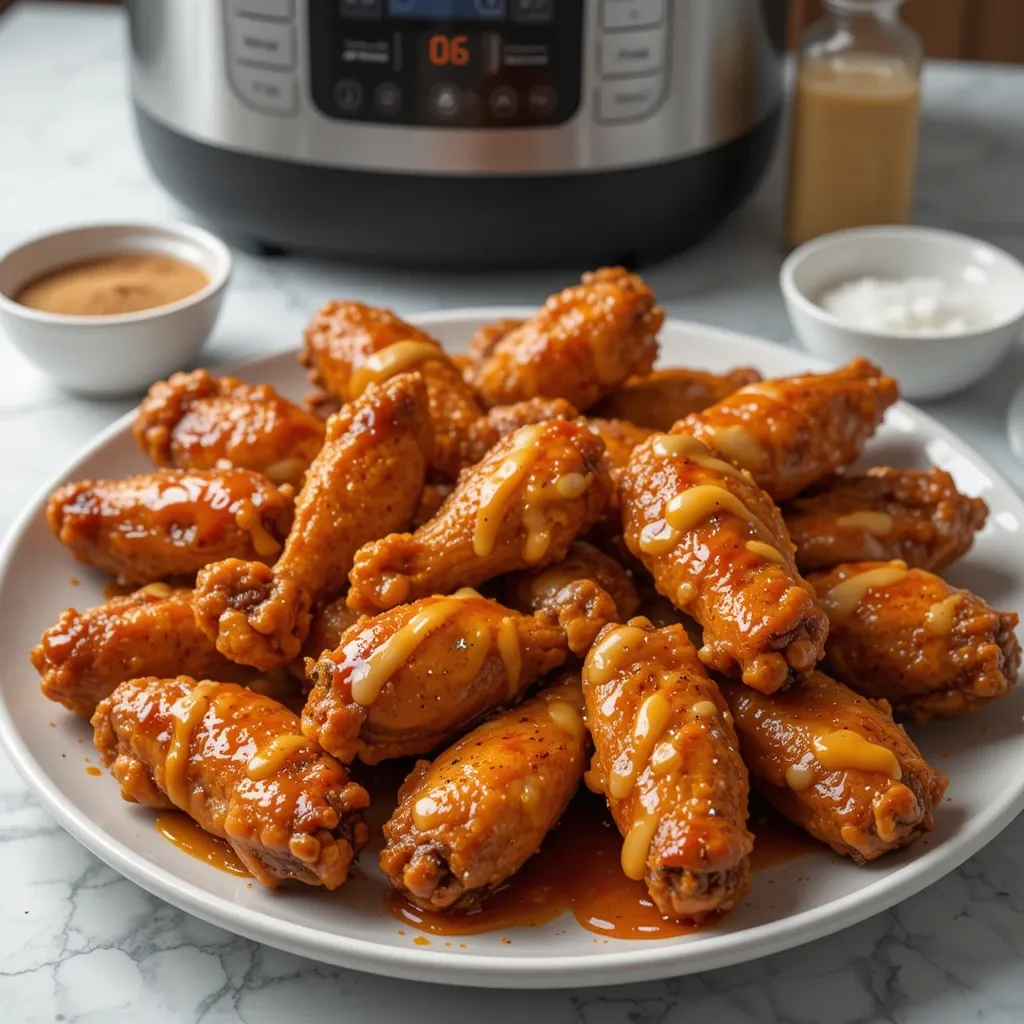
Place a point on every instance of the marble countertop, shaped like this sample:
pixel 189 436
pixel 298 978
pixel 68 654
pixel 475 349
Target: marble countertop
pixel 80 944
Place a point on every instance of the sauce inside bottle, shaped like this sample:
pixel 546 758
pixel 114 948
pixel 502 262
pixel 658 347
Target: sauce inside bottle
pixel 853 150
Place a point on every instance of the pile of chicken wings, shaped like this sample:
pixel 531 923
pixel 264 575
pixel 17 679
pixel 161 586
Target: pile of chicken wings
pixel 541 565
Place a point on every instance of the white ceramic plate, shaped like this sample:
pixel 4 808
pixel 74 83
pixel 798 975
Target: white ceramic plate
pixel 983 755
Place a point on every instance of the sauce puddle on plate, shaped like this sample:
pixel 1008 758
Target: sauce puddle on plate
pixel 578 870
pixel 178 828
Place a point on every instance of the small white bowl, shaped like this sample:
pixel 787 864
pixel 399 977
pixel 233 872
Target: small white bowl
pixel 120 354
pixel 926 365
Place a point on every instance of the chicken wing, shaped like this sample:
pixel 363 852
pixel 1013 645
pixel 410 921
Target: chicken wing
pixel 667 761
pixel 836 765
pixel 522 506
pixel 790 433
pixel 919 517
pixel 85 655
pixel 620 438
pixel 349 345
pixel 585 591
pixel 718 549
pixel 583 344
pixel 929 649
pixel 507 419
pixel 472 818
pixel 198 421
pixel 663 397
pixel 415 677
pixel 481 345
pixel 235 762
pixel 365 481
pixel 147 528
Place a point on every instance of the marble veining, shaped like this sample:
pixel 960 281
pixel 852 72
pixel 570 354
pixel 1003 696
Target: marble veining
pixel 80 944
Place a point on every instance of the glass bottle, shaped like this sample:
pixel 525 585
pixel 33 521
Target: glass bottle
pixel 856 113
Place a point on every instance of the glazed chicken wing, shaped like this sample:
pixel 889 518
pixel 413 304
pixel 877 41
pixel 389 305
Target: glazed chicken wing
pixel 583 344
pixel 471 819
pixel 349 345
pixel 661 398
pixel 620 438
pixel 415 677
pixel 585 591
pixel 84 655
pixel 791 432
pixel 235 761
pixel 522 506
pixel 837 765
pixel 929 649
pixel 507 419
pixel 883 514
pixel 146 528
pixel 198 421
pixel 718 549
pixel 365 481
pixel 667 761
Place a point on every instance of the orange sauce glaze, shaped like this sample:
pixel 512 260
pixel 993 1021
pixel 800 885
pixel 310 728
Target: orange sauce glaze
pixel 178 828
pixel 91 769
pixel 578 870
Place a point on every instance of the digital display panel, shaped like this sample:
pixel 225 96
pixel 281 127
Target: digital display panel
pixel 461 10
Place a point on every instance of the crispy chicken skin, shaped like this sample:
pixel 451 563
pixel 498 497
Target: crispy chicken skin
pixel 521 506
pixel 659 399
pixel 365 481
pixel 198 421
pixel 349 344
pixel 718 549
pixel 583 344
pixel 667 761
pixel 507 419
pixel 882 514
pixel 837 765
pixel 620 438
pixel 236 762
pixel 929 649
pixel 416 677
pixel 327 628
pixel 481 345
pixel 585 591
pixel 470 819
pixel 85 655
pixel 147 528
pixel 791 432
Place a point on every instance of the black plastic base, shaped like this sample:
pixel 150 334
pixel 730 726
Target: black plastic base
pixel 632 216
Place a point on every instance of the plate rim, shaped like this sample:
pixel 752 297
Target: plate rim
pixel 645 961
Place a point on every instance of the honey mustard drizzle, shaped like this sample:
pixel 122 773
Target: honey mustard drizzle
pixel 188 711
pixel 845 749
pixel 877 523
pixel 499 490
pixel 940 617
pixel 841 601
pixel 273 757
pixel 738 444
pixel 393 360
pixel 690 507
pixel 369 676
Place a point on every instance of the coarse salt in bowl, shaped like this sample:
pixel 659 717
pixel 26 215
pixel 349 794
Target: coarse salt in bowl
pixel 936 310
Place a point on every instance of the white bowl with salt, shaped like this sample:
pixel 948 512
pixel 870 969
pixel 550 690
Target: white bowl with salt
pixel 936 310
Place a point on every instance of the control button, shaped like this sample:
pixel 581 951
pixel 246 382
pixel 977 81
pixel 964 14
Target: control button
pixel 526 55
pixel 280 9
pixel 366 51
pixel 262 42
pixel 633 53
pixel 387 98
pixel 533 12
pixel 362 10
pixel 273 92
pixel 543 100
pixel 630 100
pixel 445 101
pixel 631 13
pixel 348 94
pixel 504 102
